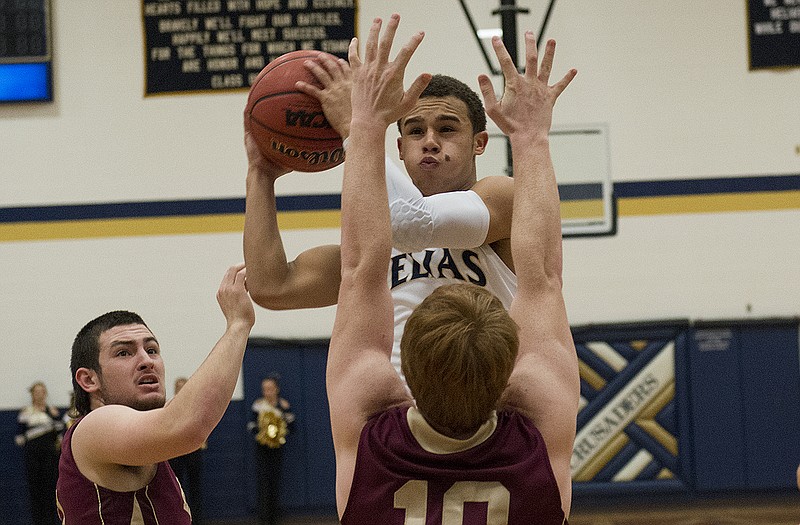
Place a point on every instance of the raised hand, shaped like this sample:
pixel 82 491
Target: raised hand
pixel 337 83
pixel 527 102
pixel 378 93
pixel 233 298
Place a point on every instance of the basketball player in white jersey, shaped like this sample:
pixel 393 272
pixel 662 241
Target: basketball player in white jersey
pixel 448 227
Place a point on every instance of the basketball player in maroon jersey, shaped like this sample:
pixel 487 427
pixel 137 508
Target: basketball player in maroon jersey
pixel 113 468
pixel 490 436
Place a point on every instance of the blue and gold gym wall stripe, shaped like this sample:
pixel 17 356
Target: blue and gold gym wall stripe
pixel 776 192
pixel 186 217
pixel 126 219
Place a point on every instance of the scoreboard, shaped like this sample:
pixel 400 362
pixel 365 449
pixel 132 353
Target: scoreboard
pixel 25 51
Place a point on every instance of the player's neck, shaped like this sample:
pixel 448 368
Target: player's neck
pixel 454 434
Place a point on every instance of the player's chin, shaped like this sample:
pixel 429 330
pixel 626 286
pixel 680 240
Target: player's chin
pixel 151 401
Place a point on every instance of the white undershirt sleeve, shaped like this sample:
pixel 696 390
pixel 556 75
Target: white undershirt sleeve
pixel 457 219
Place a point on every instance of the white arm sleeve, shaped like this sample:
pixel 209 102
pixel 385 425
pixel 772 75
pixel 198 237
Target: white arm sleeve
pixel 457 219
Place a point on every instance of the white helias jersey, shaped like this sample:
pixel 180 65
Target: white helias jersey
pixel 413 276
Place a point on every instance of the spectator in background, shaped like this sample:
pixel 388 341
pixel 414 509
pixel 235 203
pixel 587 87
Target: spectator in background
pixel 39 433
pixel 69 416
pixel 189 470
pixel 271 418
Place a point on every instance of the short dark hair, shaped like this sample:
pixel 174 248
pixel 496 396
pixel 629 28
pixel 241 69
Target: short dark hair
pixel 442 86
pixel 86 351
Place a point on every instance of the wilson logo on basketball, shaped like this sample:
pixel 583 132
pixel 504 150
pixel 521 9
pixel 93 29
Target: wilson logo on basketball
pixel 334 156
pixel 306 119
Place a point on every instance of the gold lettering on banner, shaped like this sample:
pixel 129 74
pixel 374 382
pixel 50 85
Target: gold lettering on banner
pixel 233 36
pixel 330 18
pixel 251 48
pixel 222 64
pixel 171 25
pixel 335 46
pixel 162 8
pixel 193 38
pixel 203 7
pixel 238 5
pixel 185 52
pixel 264 34
pixel 217 50
pixel 279 48
pixel 304 33
pixel 251 21
pixel 332 4
pixel 216 23
pixel 160 53
pixel 234 80
pixel 190 66
pixel 197 45
pixel 282 20
pixel 268 5
pixel 254 62
pixel 774 27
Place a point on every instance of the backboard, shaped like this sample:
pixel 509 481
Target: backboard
pixel 581 161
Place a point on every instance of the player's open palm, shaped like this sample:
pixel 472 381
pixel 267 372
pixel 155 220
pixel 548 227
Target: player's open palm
pixel 378 93
pixel 527 102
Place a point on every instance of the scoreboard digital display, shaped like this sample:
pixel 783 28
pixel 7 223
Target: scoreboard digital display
pixel 25 51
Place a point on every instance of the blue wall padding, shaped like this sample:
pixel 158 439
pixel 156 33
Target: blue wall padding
pixel 771 404
pixel 13 485
pixel 716 403
pixel 309 463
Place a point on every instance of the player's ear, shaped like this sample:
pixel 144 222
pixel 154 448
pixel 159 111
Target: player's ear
pixel 87 379
pixel 479 142
pixel 400 147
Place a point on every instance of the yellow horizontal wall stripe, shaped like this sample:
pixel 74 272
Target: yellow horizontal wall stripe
pixel 711 203
pixel 93 228
pixel 582 209
pixel 304 220
pixel 177 225
pixel 296 220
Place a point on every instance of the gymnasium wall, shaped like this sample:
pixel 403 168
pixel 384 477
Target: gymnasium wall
pixel 112 200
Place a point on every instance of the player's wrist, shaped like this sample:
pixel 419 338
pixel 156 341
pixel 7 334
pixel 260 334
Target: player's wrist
pixel 366 127
pixel 528 139
pixel 240 325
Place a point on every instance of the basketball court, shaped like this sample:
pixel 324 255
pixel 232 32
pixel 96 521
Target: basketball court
pixel 765 510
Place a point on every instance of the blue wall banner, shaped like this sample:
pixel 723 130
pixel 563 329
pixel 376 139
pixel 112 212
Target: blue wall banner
pixel 629 437
pixel 213 45
pixel 774 33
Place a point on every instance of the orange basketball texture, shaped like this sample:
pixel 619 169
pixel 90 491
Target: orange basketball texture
pixel 288 125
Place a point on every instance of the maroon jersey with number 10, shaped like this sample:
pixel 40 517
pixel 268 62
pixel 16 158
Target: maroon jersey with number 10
pixel 405 469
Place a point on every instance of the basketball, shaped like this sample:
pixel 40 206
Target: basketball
pixel 288 125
